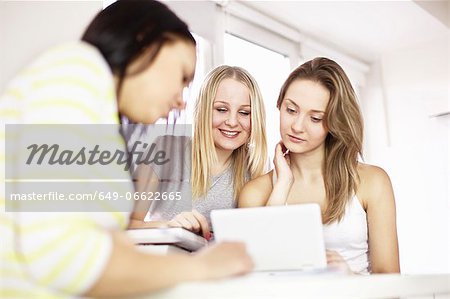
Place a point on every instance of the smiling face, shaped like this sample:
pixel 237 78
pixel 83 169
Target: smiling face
pixel 151 94
pixel 302 116
pixel 231 118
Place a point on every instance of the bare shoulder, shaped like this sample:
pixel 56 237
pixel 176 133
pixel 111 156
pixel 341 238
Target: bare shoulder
pixel 372 175
pixel 374 184
pixel 256 192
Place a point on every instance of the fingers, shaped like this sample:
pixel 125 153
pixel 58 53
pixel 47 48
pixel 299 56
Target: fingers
pixel 182 220
pixel 204 226
pixel 193 221
pixel 244 263
pixel 281 151
pixel 283 147
pixel 278 150
pixel 278 155
pixel 335 260
pixel 333 256
pixel 287 157
pixel 281 163
pixel 229 258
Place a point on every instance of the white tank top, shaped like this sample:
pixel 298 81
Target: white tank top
pixel 349 237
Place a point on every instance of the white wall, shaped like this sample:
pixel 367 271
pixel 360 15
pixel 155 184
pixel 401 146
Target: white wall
pixel 403 89
pixel 29 27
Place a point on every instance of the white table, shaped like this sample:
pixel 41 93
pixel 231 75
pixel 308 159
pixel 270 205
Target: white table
pixel 317 286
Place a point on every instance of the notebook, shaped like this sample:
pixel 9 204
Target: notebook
pixel 280 238
pixel 167 236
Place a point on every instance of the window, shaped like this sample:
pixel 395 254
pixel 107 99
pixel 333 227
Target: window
pixel 270 70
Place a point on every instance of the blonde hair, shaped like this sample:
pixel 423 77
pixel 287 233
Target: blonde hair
pixel 345 132
pixel 247 159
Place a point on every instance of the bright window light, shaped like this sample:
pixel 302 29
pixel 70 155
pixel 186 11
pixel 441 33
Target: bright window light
pixel 270 70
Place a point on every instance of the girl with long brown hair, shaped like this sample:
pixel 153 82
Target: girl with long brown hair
pixel 317 162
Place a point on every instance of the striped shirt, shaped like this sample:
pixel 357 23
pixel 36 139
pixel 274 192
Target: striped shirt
pixel 57 254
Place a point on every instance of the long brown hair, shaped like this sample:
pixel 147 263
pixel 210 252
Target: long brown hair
pixel 345 132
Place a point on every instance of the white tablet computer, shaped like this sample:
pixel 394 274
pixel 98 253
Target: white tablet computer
pixel 277 238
